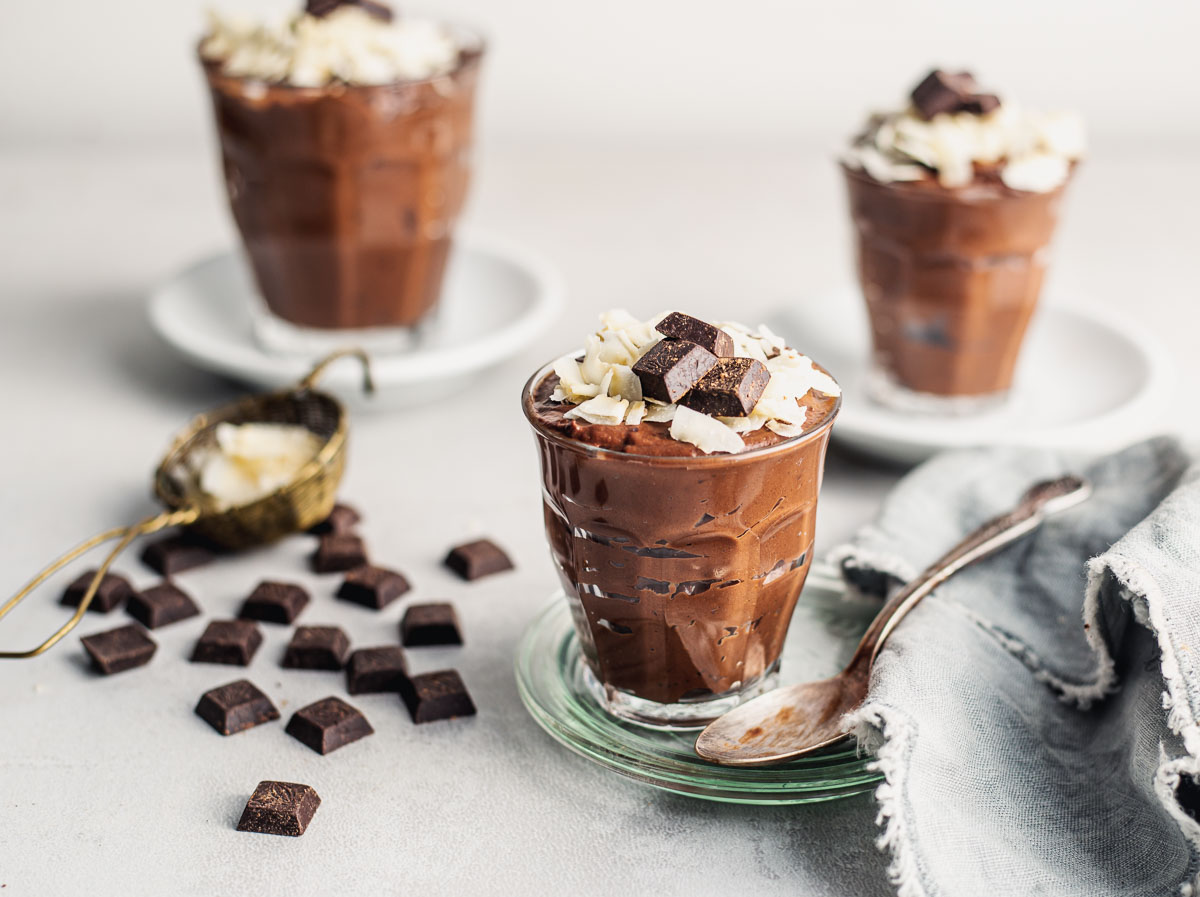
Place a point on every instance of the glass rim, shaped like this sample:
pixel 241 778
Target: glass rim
pixel 721 458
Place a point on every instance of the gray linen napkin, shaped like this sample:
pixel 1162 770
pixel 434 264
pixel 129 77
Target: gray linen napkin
pixel 1036 717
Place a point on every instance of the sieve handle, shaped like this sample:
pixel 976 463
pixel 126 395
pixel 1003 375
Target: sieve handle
pixel 126 534
pixel 315 374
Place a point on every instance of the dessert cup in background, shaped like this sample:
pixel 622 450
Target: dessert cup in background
pixel 681 567
pixel 954 203
pixel 345 139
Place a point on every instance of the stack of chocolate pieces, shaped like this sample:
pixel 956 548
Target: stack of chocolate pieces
pixel 951 92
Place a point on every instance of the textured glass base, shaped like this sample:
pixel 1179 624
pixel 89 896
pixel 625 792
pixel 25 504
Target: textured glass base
pixel 689 715
pixel 883 389
pixel 284 338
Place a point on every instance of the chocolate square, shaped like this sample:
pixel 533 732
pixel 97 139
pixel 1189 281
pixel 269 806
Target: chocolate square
pixel 731 389
pixel 430 624
pixel 375 587
pixel 275 602
pixel 436 696
pixel 342 519
pixel 328 724
pixel 174 554
pixel 279 808
pixel 228 641
pixel 119 649
pixel 161 605
pixel 317 648
pixel 112 591
pixel 339 552
pixel 482 557
pixel 671 368
pixel 372 670
pixel 684 327
pixel 941 92
pixel 981 103
pixel 236 707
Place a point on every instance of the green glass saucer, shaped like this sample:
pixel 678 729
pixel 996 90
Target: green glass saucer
pixel 824 631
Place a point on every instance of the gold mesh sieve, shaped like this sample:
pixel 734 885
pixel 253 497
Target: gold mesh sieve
pixel 306 500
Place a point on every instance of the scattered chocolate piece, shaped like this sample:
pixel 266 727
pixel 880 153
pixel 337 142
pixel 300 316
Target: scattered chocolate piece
pixel 322 8
pixel 941 92
pixel 236 707
pixel 317 648
pixel 693 330
pixel 339 552
pixel 279 808
pixel 274 602
pixel 482 557
pixel 436 696
pixel 119 649
pixel 731 389
pixel 981 103
pixel 328 724
pixel 375 587
pixel 175 554
pixel 671 368
pixel 340 520
pixel 161 605
pixel 228 641
pixel 112 591
pixel 430 624
pixel 372 670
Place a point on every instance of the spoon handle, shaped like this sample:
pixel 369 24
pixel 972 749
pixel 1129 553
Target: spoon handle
pixel 1042 500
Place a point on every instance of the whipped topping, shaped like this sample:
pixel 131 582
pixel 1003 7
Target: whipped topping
pixel 349 46
pixel 1034 150
pixel 250 461
pixel 605 390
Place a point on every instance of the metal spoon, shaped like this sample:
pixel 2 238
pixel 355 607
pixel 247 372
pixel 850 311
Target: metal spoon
pixel 796 720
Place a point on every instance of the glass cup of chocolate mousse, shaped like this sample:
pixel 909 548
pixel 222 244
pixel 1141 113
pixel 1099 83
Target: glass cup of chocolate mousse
pixel 680 466
pixel 954 201
pixel 345 135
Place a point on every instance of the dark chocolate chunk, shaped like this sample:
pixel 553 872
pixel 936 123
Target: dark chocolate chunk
pixel 374 587
pixel 376 670
pixel 236 707
pixel 693 330
pixel 430 624
pixel 161 605
pixel 317 648
pixel 731 389
pixel 275 602
pixel 112 591
pixel 175 554
pixel 479 558
pixel 340 520
pixel 328 724
pixel 671 368
pixel 981 103
pixel 435 696
pixel 339 552
pixel 228 641
pixel 119 649
pixel 279 808
pixel 322 8
pixel 941 92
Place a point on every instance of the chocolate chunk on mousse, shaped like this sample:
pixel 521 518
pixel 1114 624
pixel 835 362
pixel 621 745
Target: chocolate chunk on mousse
pixel 342 519
pixel 338 552
pixel 436 696
pixel 430 624
pixel 119 649
pixel 113 590
pixel 981 103
pixel 236 707
pixel 372 670
pixel 942 92
pixel 228 641
pixel 274 602
pixel 175 554
pixel 731 389
pixel 328 724
pixel 693 330
pixel 317 648
pixel 375 587
pixel 473 560
pixel 322 8
pixel 671 368
pixel 161 605
pixel 279 808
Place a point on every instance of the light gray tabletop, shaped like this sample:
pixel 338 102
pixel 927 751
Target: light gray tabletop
pixel 113 785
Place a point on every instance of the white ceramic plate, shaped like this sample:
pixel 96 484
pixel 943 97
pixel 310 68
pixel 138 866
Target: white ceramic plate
pixel 496 300
pixel 1085 381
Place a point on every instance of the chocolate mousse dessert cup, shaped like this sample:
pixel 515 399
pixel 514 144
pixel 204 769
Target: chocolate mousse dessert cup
pixel 954 202
pixel 345 137
pixel 680 472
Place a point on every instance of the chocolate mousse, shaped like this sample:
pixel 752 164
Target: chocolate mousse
pixel 345 138
pixel 954 201
pixel 682 553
